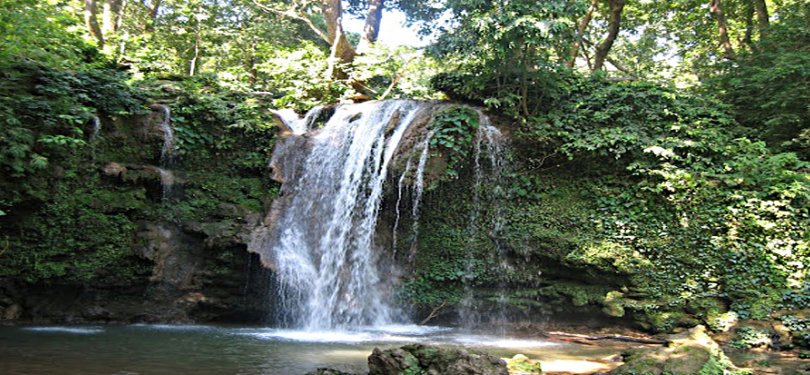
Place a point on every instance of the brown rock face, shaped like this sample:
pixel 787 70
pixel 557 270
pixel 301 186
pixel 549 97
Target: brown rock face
pixel 114 169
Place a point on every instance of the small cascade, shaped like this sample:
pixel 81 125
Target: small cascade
pixel 295 123
pixel 490 142
pixel 167 150
pixel 419 187
pixel 400 188
pixel 323 255
pixel 93 139
pixel 167 179
pixel 96 129
pixel 166 184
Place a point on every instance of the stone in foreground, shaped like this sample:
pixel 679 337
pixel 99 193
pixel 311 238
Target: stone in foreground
pixel 430 360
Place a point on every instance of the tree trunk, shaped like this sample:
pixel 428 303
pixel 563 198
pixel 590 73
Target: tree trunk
pixel 763 19
pixel 749 26
pixel 616 7
pixel 717 10
pixel 583 25
pixel 119 17
pixel 371 29
pixel 253 72
pixel 91 21
pixel 342 52
pixel 154 8
pixel 197 40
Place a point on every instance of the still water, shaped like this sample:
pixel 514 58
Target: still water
pixel 221 350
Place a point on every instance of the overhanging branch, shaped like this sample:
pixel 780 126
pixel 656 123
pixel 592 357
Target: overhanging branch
pixel 291 14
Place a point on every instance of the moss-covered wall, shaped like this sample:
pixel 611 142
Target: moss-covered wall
pixel 97 239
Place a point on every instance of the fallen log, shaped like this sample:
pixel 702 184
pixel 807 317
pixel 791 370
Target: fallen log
pixel 608 337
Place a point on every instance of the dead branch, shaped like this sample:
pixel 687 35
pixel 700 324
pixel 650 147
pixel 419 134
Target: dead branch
pixel 399 76
pixel 609 337
pixel 434 313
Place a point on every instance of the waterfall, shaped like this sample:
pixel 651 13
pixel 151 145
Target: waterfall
pixel 295 123
pixel 96 129
pixel 419 187
pixel 400 187
pixel 168 136
pixel 166 153
pixel 319 237
pixel 166 183
pixel 492 141
pixel 323 256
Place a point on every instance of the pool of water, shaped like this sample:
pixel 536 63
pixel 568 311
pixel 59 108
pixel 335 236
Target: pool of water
pixel 204 350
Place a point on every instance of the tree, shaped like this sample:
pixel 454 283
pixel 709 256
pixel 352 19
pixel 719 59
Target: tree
pixel 583 26
pixel 722 26
pixel 602 50
pixel 91 21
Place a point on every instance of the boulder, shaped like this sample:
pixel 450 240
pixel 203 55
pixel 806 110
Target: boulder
pixel 328 371
pixel 430 360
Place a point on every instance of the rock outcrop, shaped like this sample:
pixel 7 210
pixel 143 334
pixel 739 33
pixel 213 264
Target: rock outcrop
pixel 431 360
pixel 690 352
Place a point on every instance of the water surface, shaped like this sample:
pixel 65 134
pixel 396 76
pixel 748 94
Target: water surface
pixel 220 350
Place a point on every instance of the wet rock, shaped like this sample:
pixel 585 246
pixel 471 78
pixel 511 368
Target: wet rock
pixel 328 371
pixel 12 312
pixel 421 359
pixel 393 361
pixel 96 313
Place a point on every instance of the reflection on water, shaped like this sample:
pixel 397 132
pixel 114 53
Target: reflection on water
pixel 204 350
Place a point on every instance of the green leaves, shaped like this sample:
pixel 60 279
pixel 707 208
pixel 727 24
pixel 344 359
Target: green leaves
pixel 454 128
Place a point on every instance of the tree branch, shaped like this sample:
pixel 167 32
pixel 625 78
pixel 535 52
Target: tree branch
pixel 399 76
pixel 295 16
pixel 434 313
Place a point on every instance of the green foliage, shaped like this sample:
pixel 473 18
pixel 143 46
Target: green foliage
pixel 769 87
pixel 47 115
pixel 749 337
pixel 41 31
pixel 454 129
pixel 82 234
pixel 211 121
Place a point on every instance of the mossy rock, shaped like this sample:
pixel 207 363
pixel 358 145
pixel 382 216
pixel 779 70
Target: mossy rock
pixel 691 352
pixel 420 359
pixel 520 364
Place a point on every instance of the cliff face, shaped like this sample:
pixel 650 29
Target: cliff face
pixel 127 230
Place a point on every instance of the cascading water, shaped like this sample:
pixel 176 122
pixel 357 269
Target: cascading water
pixel 323 256
pixel 492 141
pixel 166 153
pixel 319 238
pixel 400 188
pixel 167 150
pixel 96 129
pixel 419 187
pixel 295 123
